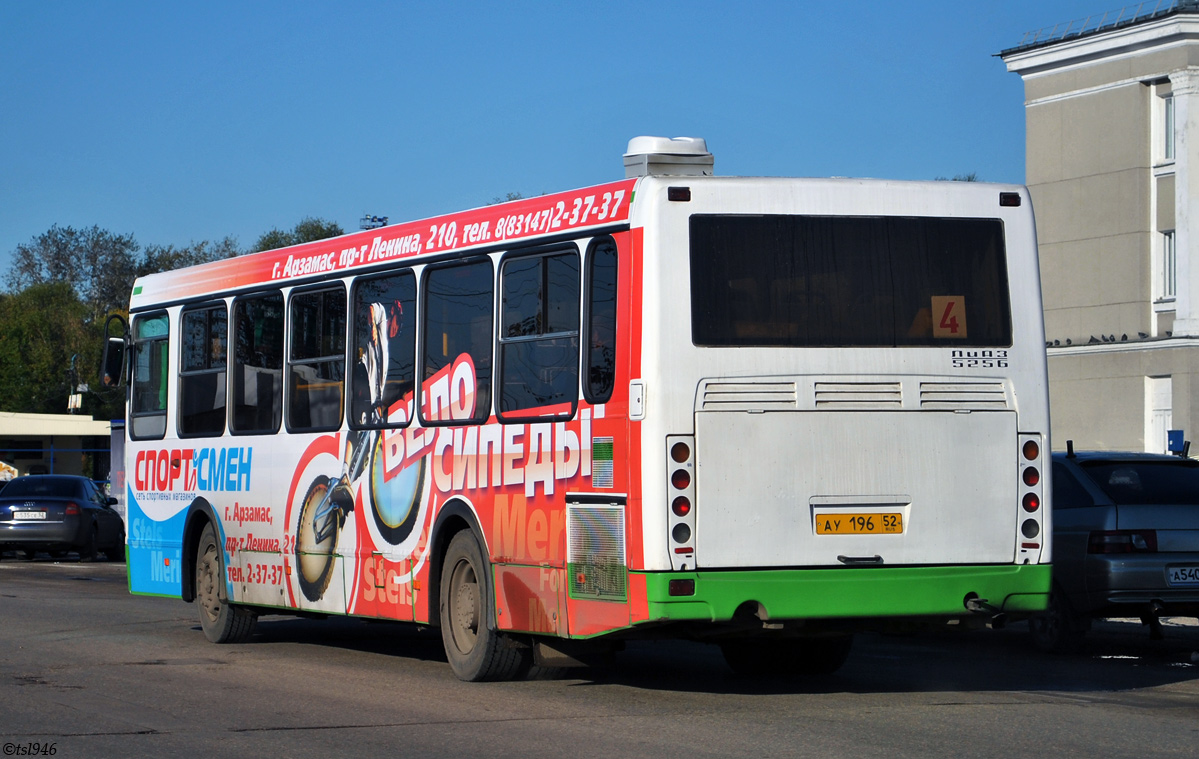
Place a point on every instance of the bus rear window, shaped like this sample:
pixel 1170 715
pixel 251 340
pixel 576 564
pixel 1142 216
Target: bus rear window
pixel 848 281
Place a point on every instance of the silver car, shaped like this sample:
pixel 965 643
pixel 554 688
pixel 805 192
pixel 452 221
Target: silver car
pixel 1125 543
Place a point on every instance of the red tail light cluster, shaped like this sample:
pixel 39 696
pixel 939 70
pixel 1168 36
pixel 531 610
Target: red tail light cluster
pixel 72 508
pixel 680 489
pixel 1123 541
pixel 1031 493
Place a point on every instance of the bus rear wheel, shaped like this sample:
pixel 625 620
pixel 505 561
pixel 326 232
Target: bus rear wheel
pixel 475 651
pixel 315 559
pixel 755 657
pixel 221 621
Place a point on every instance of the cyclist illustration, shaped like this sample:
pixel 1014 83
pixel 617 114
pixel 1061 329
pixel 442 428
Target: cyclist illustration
pixel 394 498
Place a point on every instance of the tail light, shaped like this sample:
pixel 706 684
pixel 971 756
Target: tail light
pixel 680 494
pixel 681 506
pixel 72 509
pixel 1030 491
pixel 1123 541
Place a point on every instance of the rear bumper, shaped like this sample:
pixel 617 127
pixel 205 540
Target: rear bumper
pixel 35 534
pixel 1124 584
pixel 876 592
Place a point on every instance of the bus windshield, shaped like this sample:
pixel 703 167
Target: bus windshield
pixel 848 281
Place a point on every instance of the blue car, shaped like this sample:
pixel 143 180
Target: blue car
pixel 59 513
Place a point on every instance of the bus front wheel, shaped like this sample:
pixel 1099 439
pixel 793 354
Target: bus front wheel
pixel 221 621
pixel 474 650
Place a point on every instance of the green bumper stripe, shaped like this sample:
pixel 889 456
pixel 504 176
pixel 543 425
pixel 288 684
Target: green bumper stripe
pixel 849 593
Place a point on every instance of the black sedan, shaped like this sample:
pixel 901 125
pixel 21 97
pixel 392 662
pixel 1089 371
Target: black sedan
pixel 1125 543
pixel 58 513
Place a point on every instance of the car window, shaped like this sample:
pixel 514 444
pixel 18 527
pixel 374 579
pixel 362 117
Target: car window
pixel 1144 482
pixel 1068 492
pixel 45 487
pixel 96 494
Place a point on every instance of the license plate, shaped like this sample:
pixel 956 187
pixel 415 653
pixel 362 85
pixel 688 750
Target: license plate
pixel 887 523
pixel 1183 576
pixel 28 515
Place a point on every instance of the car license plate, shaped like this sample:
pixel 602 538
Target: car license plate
pixel 28 515
pixel 886 523
pixel 1184 576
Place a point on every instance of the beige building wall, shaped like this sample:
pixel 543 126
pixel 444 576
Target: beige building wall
pixel 1104 192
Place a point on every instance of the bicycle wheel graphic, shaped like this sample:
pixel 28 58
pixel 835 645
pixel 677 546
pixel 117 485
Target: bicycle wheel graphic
pixel 315 543
pixel 395 503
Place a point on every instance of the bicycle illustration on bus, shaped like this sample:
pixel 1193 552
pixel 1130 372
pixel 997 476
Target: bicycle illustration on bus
pixel 394 498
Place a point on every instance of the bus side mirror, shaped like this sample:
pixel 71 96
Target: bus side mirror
pixel 112 365
pixel 112 369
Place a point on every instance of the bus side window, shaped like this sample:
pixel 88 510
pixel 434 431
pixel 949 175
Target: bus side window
pixel 148 402
pixel 257 363
pixel 457 343
pixel 539 337
pixel 316 367
pixel 383 374
pixel 599 360
pixel 204 333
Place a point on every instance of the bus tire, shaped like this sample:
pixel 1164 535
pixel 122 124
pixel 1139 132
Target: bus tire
pixel 315 563
pixel 475 651
pixel 756 657
pixel 221 621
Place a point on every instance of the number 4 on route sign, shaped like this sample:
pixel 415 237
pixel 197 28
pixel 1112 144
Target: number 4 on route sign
pixel 949 316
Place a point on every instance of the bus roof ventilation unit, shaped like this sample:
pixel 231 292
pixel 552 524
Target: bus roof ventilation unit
pixel 666 156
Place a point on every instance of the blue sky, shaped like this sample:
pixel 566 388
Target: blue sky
pixel 180 123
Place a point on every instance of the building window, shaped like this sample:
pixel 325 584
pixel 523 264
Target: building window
pixel 1168 127
pixel 1159 396
pixel 1167 274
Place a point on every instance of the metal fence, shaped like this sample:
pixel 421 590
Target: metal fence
pixel 1106 21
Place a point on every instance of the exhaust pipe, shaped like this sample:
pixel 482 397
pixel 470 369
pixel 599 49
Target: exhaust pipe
pixel 978 605
pixel 1152 617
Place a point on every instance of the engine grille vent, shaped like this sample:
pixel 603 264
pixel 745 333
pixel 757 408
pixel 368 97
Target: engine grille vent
pixel 952 396
pixel 595 552
pixel 737 396
pixel 858 395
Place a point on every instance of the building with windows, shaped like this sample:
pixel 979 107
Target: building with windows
pixel 53 444
pixel 1112 114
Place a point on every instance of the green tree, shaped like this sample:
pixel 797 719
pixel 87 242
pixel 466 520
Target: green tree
pixel 98 264
pixel 308 230
pixel 101 266
pixel 41 329
pixel 156 258
pixel 505 198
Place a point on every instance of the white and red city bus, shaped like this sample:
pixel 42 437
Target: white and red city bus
pixel 762 412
